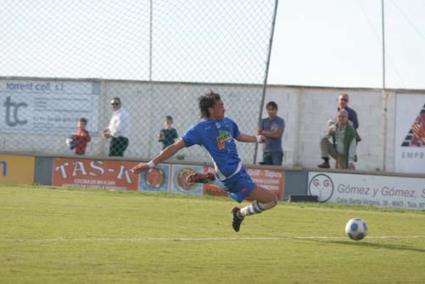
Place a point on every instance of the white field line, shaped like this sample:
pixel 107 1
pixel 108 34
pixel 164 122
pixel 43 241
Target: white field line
pixel 196 239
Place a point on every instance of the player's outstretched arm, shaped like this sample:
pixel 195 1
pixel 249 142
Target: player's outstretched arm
pixel 251 138
pixel 162 156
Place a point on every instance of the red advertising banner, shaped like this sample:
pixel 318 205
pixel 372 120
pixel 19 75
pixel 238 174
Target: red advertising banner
pixel 94 173
pixel 272 180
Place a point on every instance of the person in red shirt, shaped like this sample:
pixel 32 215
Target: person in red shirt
pixel 82 137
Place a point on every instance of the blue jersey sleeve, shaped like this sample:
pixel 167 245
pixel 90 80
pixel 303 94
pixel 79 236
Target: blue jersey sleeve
pixel 236 131
pixel 192 136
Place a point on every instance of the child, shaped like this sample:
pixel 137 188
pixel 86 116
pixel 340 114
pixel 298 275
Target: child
pixel 82 137
pixel 168 134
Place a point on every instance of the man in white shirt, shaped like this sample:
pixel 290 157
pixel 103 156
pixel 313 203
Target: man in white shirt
pixel 117 129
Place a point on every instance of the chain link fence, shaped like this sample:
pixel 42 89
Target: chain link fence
pixel 158 57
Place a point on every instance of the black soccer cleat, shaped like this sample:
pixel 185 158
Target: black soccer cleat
pixel 237 220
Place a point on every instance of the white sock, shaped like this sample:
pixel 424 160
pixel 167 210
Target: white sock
pixel 255 208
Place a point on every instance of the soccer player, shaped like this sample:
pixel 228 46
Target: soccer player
pixel 217 134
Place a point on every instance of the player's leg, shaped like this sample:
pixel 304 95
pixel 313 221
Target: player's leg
pixel 262 195
pixel 245 188
pixel 263 200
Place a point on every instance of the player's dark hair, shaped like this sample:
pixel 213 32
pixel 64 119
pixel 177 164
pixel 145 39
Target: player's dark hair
pixel 271 104
pixel 83 120
pixel 206 101
pixel 169 118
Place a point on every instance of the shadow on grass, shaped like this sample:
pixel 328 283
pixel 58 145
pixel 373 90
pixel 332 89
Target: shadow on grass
pixel 373 245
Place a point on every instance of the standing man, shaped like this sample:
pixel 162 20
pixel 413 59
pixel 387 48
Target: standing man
pixel 272 128
pixel 117 129
pixel 217 134
pixel 343 145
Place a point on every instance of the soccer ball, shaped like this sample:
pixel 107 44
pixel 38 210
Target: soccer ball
pixel 356 229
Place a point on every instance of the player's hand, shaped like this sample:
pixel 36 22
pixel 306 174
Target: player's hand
pixel 141 167
pixel 261 138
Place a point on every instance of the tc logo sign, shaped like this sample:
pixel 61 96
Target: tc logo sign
pixel 12 112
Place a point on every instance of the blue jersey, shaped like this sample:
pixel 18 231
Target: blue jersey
pixel 217 136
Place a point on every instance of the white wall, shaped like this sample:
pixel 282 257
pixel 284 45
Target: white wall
pixel 306 111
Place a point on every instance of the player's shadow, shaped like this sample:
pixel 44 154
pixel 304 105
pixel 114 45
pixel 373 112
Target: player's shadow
pixel 373 245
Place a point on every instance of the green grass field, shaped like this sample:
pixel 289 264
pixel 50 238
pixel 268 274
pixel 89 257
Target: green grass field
pixel 56 235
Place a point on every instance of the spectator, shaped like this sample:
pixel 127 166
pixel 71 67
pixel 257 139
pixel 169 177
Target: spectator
pixel 78 141
pixel 82 137
pixel 352 114
pixel 272 128
pixel 343 146
pixel 118 129
pixel 168 134
pixel 418 130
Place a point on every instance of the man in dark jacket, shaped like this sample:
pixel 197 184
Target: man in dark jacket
pixel 352 114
